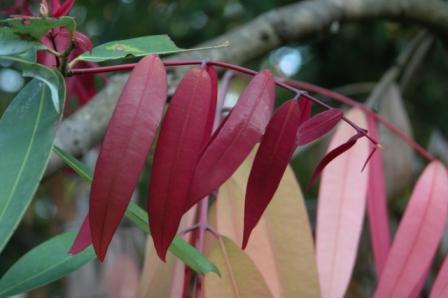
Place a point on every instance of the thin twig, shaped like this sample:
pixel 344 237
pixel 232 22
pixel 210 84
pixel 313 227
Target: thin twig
pixel 240 69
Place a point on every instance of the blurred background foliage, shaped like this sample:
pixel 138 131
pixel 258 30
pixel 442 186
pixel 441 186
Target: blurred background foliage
pixel 350 54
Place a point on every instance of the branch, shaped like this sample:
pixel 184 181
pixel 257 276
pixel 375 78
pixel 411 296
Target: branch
pixel 85 128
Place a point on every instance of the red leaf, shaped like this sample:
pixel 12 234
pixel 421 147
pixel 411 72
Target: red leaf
pixel 83 239
pixel 180 142
pixel 440 287
pixel 418 234
pixel 235 138
pixel 273 155
pixel 212 111
pixel 317 126
pixel 377 204
pixel 341 208
pixel 55 5
pixel 64 9
pixel 124 148
pixel 330 156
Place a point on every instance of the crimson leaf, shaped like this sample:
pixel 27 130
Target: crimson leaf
pixel 332 155
pixel 318 125
pixel 83 239
pixel 235 138
pixel 179 146
pixel 124 149
pixel 271 160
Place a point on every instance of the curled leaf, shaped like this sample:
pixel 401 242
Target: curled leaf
pixel 318 125
pixel 235 138
pixel 124 149
pixel 418 234
pixel 179 146
pixel 332 155
pixel 341 208
pixel 273 155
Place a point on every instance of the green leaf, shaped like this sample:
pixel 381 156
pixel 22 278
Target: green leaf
pixel 21 34
pixel 81 169
pixel 12 44
pixel 134 47
pixel 179 247
pixel 26 137
pixel 52 78
pixel 30 55
pixel 43 264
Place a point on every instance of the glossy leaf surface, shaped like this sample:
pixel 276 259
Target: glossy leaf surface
pixel 271 160
pixel 418 234
pixel 51 78
pixel 14 45
pixel 180 142
pixel 26 137
pixel 235 138
pixel 124 149
pixel 45 263
pixel 341 208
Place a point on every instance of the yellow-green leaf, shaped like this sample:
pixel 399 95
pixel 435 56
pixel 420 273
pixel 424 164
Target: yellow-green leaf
pixel 281 245
pixel 239 275
pixel 133 48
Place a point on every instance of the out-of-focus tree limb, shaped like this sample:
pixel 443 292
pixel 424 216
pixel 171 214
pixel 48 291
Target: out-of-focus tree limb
pixel 294 22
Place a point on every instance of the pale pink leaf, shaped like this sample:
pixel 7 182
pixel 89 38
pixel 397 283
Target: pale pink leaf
pixel 440 287
pixel 418 235
pixel 377 204
pixel 341 207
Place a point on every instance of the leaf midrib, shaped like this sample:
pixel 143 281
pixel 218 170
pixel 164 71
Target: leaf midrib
pixel 37 275
pixel 25 159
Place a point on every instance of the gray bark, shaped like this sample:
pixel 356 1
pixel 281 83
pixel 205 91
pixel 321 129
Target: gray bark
pixel 294 22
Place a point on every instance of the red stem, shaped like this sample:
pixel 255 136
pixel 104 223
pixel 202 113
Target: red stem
pixel 350 102
pixel 240 69
pixel 51 36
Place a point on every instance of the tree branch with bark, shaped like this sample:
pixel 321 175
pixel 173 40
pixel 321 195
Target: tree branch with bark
pixel 292 23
